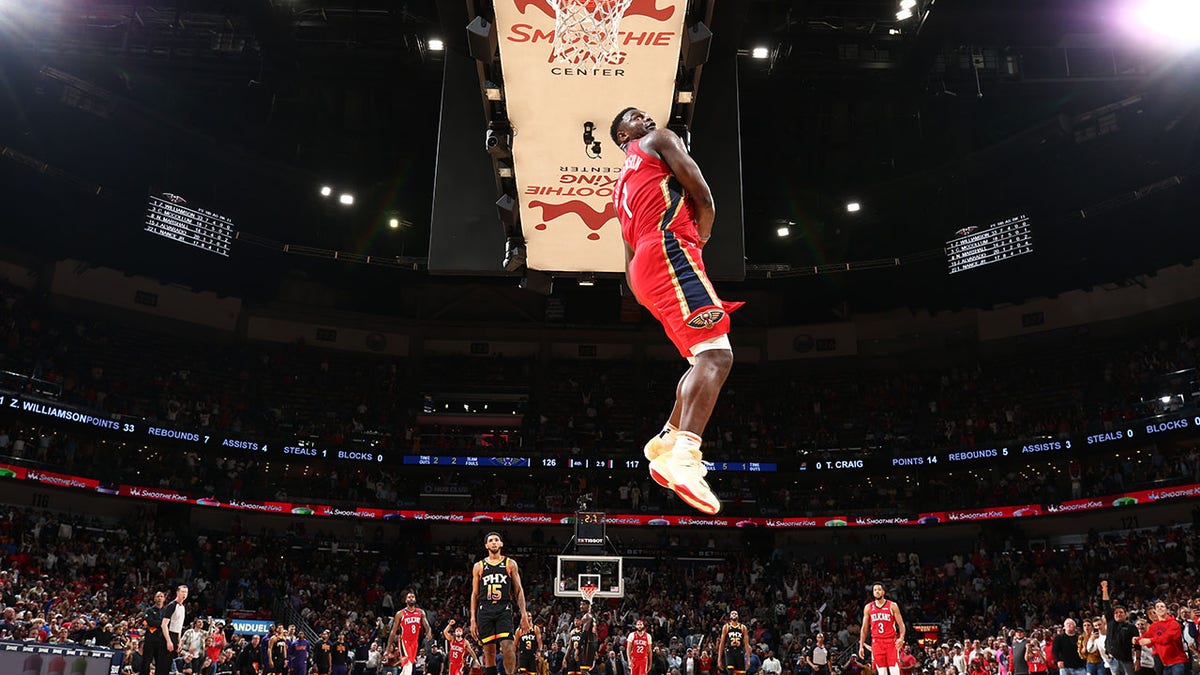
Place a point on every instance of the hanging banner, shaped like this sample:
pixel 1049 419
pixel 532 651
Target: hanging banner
pixel 561 103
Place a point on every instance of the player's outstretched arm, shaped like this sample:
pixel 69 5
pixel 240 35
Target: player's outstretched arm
pixel 667 144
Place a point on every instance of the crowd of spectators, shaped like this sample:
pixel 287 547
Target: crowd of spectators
pixel 67 579
pixel 781 411
pixel 226 476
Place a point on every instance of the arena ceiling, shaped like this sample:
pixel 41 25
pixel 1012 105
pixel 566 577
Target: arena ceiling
pixel 972 111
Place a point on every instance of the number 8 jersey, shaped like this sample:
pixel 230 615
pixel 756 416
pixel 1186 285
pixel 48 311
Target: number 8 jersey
pixel 495 583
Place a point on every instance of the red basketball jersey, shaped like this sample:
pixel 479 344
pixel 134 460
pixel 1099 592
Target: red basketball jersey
pixel 883 621
pixel 458 649
pixel 639 647
pixel 410 625
pixel 647 199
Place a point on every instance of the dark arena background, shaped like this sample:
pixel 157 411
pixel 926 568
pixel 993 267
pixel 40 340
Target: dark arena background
pixel 281 323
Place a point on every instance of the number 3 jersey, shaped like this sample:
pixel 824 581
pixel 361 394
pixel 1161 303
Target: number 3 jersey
pixel 883 622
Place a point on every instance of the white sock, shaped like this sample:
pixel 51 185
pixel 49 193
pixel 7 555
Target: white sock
pixel 668 433
pixel 686 441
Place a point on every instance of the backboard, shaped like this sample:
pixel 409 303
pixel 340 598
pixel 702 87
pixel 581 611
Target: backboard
pixel 606 570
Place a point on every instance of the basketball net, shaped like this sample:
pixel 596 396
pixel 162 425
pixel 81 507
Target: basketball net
pixel 585 31
pixel 588 592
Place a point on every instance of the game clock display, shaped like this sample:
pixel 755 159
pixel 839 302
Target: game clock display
pixel 589 528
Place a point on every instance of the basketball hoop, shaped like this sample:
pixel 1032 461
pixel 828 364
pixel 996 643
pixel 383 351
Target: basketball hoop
pixel 585 31
pixel 588 592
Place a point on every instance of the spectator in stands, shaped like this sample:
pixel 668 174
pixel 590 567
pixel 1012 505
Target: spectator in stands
pixel 1119 639
pixel 1165 637
pixel 1066 650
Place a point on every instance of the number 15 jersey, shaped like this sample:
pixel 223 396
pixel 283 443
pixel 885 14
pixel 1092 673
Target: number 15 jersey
pixel 495 583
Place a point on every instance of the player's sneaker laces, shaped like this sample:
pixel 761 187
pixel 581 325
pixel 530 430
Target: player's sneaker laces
pixel 683 472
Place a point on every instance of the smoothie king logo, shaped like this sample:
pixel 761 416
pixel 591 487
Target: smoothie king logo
pixel 543 34
pixel 577 183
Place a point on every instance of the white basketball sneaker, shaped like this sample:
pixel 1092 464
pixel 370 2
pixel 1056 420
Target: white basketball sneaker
pixel 683 472
pixel 659 444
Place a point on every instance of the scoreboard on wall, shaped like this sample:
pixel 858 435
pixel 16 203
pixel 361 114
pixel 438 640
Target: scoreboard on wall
pixel 172 217
pixel 998 241
pixel 926 633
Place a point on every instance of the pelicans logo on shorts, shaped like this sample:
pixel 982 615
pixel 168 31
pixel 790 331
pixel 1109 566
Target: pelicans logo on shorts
pixel 706 318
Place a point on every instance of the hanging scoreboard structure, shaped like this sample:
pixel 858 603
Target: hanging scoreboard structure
pixel 170 216
pixel 589 529
pixel 569 67
pixel 992 244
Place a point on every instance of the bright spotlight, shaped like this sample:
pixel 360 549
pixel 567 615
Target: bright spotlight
pixel 1171 20
pixel 326 190
pixel 760 52
pixel 346 198
pixel 908 4
pixel 903 14
pixel 393 223
pixel 1164 400
pixel 853 207
pixel 436 45
pixel 783 231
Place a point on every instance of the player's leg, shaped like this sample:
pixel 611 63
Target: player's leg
pixel 681 468
pixel 698 393
pixel 674 287
pixel 489 657
pixel 510 656
pixel 664 440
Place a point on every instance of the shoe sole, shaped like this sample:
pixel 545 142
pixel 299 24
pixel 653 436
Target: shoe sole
pixel 685 493
pixel 660 478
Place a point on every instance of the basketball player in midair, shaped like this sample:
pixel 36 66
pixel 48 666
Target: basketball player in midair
pixel 457 647
pixel 733 649
pixel 412 625
pixel 881 618
pixel 666 212
pixel 529 645
pixel 495 585
pixel 637 649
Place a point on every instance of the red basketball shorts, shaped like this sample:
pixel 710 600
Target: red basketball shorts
pixel 883 654
pixel 667 276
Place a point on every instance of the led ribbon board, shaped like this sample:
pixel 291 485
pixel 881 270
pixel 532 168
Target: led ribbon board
pixel 565 187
